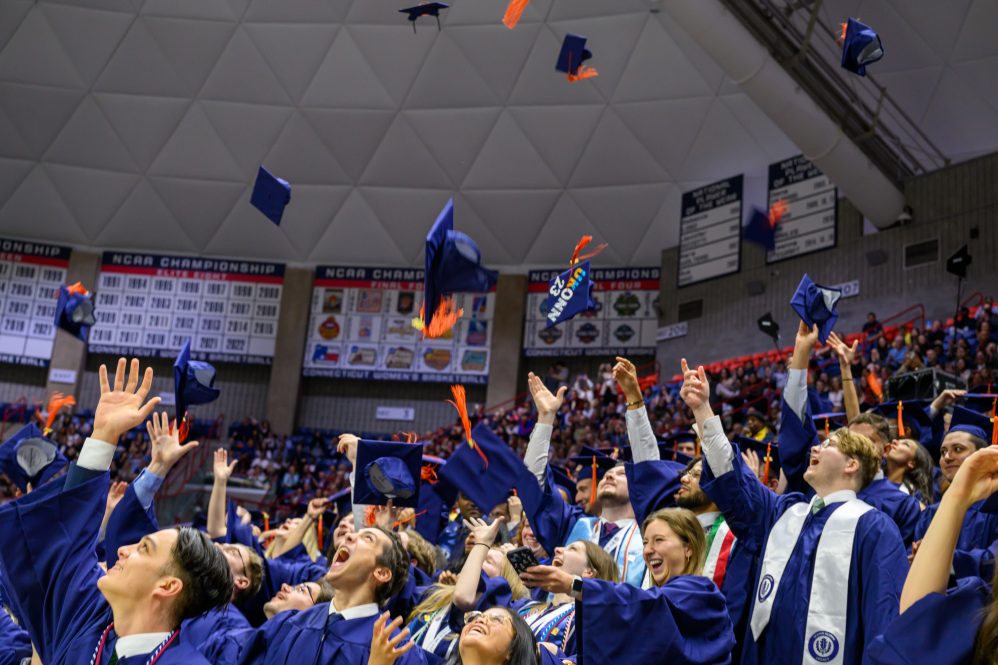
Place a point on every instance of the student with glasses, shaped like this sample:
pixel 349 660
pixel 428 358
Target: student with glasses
pixel 299 597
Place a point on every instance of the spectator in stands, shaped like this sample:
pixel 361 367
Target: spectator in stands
pixel 872 328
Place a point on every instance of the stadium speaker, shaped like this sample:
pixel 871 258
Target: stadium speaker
pixel 756 287
pixel 957 264
pixel 876 257
pixel 921 384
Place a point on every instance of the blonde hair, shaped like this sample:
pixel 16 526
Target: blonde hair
pixel 687 527
pixel 860 448
pixel 422 551
pixel 601 563
pixel 310 541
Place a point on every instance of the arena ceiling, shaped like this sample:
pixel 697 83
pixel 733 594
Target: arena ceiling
pixel 139 124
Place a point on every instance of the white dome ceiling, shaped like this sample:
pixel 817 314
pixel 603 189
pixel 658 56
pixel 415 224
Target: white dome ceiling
pixel 139 124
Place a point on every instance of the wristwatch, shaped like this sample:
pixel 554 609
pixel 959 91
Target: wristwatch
pixel 576 588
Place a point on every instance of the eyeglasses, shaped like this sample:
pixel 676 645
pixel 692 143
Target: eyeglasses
pixel 304 588
pixel 495 618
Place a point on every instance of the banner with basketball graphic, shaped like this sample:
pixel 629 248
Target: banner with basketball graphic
pixel 360 327
pixel 623 320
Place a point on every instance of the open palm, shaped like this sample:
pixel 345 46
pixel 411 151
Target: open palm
pixel 546 401
pixel 123 407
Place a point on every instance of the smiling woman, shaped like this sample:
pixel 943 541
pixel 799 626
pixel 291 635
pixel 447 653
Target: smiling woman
pixel 495 637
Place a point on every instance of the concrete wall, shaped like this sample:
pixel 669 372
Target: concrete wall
pixel 947 204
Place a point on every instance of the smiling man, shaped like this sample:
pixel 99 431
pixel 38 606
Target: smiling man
pixel 74 613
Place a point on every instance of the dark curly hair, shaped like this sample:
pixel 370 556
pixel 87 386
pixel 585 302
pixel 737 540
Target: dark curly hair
pixel 203 571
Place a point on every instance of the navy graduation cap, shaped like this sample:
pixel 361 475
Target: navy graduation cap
pixel 768 453
pixel 425 9
pixel 487 486
pixel 573 54
pixel 973 423
pixel 668 452
pixel 387 470
pixel 861 46
pixel 826 422
pixel 453 265
pixel 761 227
pixel 74 311
pixel 982 402
pixel 192 382
pixel 28 457
pixel 816 305
pixel 911 417
pixel 270 195
pixel 569 293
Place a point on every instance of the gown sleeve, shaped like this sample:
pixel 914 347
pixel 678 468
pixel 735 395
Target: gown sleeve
pixel 652 485
pixel 128 523
pixel 14 641
pixel 49 559
pixel 797 436
pixel 684 621
pixel 937 630
pixel 550 517
pixel 883 566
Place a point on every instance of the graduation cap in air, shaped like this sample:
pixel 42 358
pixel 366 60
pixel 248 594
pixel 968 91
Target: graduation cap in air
pixel 28 457
pixel 453 265
pixel 425 9
pixel 861 46
pixel 74 311
pixel 816 305
pixel 915 422
pixel 828 422
pixel 973 423
pixel 761 227
pixel 569 293
pixel 573 54
pixel 192 382
pixel 768 452
pixel 514 10
pixel 436 496
pixel 270 195
pixel 387 470
pixel 487 485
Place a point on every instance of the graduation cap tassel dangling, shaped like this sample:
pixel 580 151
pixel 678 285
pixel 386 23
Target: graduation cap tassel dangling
pixel 583 72
pixel 592 490
pixel 901 433
pixel 428 474
pixel 777 211
pixel 444 318
pixel 994 420
pixel 765 470
pixel 460 402
pixel 318 528
pixel 826 428
pixel 585 240
pixel 56 403
pixel 513 13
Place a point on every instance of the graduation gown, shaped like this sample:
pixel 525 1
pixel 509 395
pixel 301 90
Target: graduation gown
pixel 939 629
pixel 876 575
pixel 14 641
pixel 198 630
pixel 48 556
pixel 979 530
pixel 795 443
pixel 683 622
pixel 128 524
pixel 296 638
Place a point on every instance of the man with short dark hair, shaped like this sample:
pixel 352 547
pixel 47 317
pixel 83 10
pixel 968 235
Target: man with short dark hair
pixel 73 613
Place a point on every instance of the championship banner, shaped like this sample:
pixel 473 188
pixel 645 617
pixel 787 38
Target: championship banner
pixel 149 304
pixel 710 231
pixel 30 276
pixel 624 320
pixel 360 327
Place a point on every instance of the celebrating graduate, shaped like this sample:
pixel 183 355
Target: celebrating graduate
pixel 74 613
pixel 831 568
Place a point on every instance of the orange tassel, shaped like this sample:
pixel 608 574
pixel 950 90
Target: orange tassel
pixel 399 523
pixel 765 470
pixel 826 428
pixel 266 522
pixel 371 516
pixel 444 318
pixel 56 403
pixel 592 490
pixel 319 532
pixel 513 13
pixel 698 445
pixel 777 211
pixel 428 474
pixel 901 433
pixel 994 420
pixel 77 289
pixel 842 36
pixel 873 381
pixel 185 428
pixel 460 402
pixel 583 73
pixel 585 240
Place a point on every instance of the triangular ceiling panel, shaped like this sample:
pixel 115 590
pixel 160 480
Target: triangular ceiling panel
pixel 938 23
pixel 395 55
pixel 88 37
pixel 560 133
pixel 658 69
pixel 12 14
pixel 310 213
pixel 139 66
pixel 539 82
pixel 89 140
pixel 199 206
pixel 468 221
pixel 721 133
pixel 481 43
pixel 410 213
pixel 622 214
pixel 356 237
pixel 294 51
pixel 517 216
pixel 351 134
pixel 12 144
pixel 611 40
pixel 345 79
pixel 12 174
pixel 297 11
pixel 192 46
pixel 144 220
pixel 563 228
pixel 242 75
pixel 615 157
pixel 93 195
pixel 437 129
pixel 403 160
pixel 449 80
pixel 666 128
pixel 195 151
pixel 509 161
pixel 491 12
pixel 299 156
pixel 563 10
pixel 977 36
pixel 35 210
pixel 34 55
pixel 246 232
pixel 144 124
pixel 247 130
pixel 209 10
pixel 662 232
pixel 38 113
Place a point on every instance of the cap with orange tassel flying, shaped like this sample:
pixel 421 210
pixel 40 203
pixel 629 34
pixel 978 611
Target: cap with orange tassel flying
pixel 57 402
pixel 513 13
pixel 460 402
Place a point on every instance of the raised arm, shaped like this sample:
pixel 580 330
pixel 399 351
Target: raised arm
pixel 347 445
pixel 547 405
pixel 930 570
pixel 466 591
pixel 847 356
pixel 222 470
pixel 307 523
pixel 797 433
pixel 644 443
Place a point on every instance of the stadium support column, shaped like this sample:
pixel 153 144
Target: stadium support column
pixel 285 374
pixel 68 353
pixel 507 340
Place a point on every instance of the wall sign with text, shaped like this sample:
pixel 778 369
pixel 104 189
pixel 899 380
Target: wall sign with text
pixel 810 221
pixel 30 276
pixel 148 304
pixel 625 320
pixel 710 231
pixel 360 327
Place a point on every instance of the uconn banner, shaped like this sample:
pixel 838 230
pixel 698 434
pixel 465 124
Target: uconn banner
pixel 360 327
pixel 623 319
pixel 30 275
pixel 149 304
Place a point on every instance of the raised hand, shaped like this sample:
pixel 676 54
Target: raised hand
pixel 385 649
pixel 977 478
pixel 122 408
pixel 751 459
pixel 221 467
pixel 114 495
pixel 546 402
pixel 316 507
pixel 548 578
pixel 483 532
pixel 515 509
pixel 847 354
pixel 447 577
pixel 805 336
pixel 164 444
pixel 696 390
pixel 347 445
pixel 947 398
pixel 626 374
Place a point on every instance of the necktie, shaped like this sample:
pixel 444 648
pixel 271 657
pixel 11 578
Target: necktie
pixel 818 504
pixel 607 529
pixel 114 658
pixel 333 618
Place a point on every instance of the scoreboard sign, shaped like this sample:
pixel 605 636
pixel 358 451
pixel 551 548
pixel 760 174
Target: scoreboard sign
pixel 710 231
pixel 361 328
pixel 624 322
pixel 810 221
pixel 149 304
pixel 30 276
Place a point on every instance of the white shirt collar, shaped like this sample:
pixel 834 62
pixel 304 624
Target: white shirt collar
pixel 136 645
pixel 707 519
pixel 836 497
pixel 357 611
pixel 879 475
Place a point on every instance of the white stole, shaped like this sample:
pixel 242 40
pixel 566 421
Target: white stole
pixel 825 632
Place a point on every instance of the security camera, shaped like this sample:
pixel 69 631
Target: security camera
pixel 906 216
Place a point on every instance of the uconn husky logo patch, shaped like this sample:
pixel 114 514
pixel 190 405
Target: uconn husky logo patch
pixel 766 587
pixel 823 646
